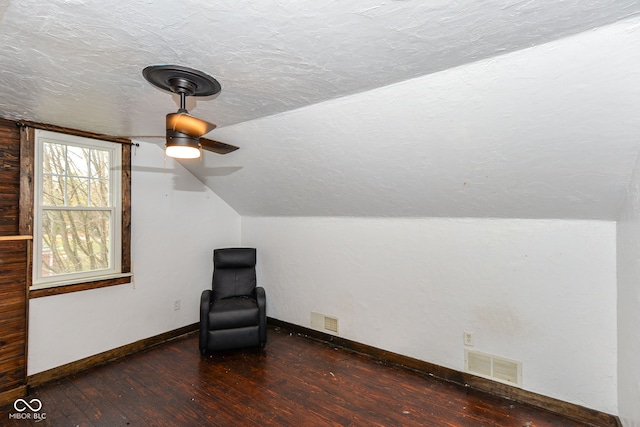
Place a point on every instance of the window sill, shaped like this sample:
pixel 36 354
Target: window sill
pixel 38 292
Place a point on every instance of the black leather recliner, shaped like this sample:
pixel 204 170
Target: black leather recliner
pixel 233 313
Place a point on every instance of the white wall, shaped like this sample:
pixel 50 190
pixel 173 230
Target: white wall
pixel 539 291
pixel 628 254
pixel 176 224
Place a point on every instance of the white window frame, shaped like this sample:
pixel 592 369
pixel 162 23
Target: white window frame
pixel 115 207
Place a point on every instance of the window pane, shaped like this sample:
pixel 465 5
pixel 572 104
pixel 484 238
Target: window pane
pixel 99 167
pixel 77 191
pixel 75 176
pixel 52 190
pixel 77 161
pixel 99 193
pixel 74 241
pixel 54 158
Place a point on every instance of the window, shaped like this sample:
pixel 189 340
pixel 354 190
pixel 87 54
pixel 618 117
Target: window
pixel 77 209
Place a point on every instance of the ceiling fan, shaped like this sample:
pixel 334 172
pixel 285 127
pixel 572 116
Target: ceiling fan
pixel 183 131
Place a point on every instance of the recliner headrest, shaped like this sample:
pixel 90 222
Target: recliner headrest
pixel 234 258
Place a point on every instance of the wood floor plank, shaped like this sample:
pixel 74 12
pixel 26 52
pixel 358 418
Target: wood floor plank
pixel 293 381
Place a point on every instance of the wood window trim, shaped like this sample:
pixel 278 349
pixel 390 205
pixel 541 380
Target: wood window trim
pixel 65 289
pixel 26 209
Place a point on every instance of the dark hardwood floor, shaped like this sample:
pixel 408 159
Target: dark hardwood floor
pixel 293 381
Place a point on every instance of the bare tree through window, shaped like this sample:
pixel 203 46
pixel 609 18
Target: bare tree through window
pixel 76 211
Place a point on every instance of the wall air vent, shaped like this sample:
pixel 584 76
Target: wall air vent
pixel 324 323
pixel 331 324
pixel 493 367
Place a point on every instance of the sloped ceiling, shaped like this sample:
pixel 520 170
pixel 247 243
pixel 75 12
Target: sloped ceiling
pixel 370 108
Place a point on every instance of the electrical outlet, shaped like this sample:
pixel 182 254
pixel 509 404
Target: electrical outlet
pixel 176 305
pixel 468 338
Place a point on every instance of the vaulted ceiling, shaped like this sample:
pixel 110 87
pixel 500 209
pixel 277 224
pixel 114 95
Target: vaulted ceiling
pixel 524 109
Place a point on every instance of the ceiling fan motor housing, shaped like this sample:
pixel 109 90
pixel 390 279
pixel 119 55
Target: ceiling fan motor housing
pixel 175 138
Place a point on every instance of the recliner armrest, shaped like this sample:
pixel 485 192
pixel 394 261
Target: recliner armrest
pixel 205 302
pixel 261 296
pixel 261 300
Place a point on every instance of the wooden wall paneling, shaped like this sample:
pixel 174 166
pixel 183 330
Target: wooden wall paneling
pixel 126 208
pixel 14 272
pixel 13 315
pixel 9 177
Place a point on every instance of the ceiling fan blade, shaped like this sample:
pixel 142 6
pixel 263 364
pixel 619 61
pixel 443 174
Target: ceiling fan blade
pixel 186 123
pixel 217 146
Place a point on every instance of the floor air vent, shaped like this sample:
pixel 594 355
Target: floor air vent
pixel 493 367
pixel 324 323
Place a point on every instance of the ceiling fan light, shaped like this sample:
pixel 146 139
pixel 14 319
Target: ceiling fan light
pixel 181 146
pixel 181 152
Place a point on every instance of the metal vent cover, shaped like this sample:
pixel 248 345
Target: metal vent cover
pixel 331 324
pixel 324 323
pixel 493 367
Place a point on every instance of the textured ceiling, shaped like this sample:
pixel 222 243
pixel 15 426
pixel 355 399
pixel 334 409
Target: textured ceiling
pixel 363 148
pixel 547 132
